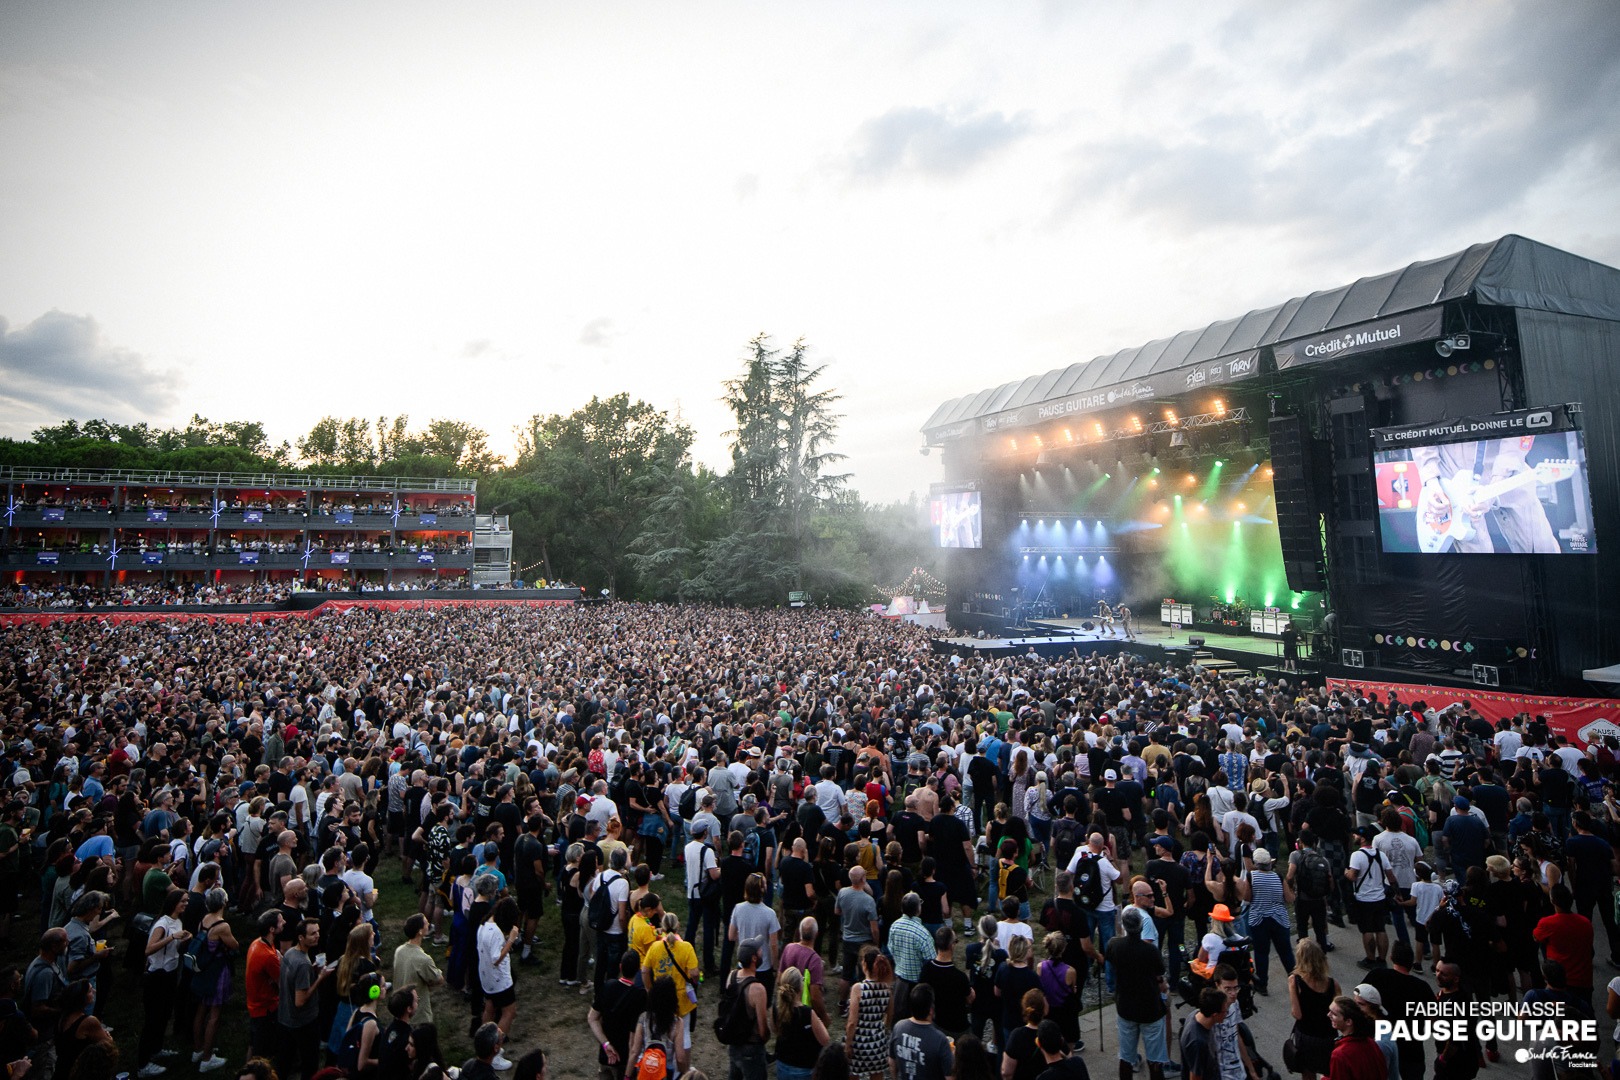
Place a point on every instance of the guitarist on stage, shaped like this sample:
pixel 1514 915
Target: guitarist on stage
pixel 1519 515
pixel 1124 614
pixel 1105 616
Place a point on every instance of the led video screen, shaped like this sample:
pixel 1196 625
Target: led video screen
pixel 957 519
pixel 1524 493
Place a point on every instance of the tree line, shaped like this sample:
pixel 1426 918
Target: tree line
pixel 607 495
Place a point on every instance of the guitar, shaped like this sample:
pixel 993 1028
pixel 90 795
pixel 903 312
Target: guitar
pixel 1441 529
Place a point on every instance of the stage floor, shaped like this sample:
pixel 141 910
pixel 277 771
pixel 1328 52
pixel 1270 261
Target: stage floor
pixel 1247 649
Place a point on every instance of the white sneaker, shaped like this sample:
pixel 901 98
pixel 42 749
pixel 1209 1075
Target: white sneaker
pixel 151 1070
pixel 196 1056
pixel 215 1062
pixel 500 1064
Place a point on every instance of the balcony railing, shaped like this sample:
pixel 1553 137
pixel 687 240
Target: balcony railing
pixel 27 474
pixel 132 559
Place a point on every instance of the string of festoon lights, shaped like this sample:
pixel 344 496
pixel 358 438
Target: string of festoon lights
pixel 930 585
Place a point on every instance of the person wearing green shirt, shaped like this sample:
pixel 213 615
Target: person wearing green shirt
pixel 156 884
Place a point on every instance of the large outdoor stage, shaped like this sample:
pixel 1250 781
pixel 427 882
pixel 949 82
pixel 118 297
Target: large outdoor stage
pixel 1416 467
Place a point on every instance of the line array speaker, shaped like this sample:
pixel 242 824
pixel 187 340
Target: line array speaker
pixel 1298 515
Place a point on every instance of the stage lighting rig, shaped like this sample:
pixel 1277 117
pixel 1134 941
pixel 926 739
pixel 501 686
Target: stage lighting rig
pixel 1454 343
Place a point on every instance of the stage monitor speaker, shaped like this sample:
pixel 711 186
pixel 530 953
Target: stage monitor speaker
pixel 1196 642
pixel 1293 479
pixel 1352 658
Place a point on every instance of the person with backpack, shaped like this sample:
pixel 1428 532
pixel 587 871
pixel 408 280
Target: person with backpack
pixel 702 893
pixel 608 914
pixel 1068 833
pixel 1310 875
pixel 358 1051
pixel 1371 880
pixel 1401 853
pixel 741 1023
pixel 1094 876
pixel 1062 915
pixel 661 1046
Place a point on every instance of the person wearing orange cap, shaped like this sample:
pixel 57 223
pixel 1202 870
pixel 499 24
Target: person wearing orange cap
pixel 1212 944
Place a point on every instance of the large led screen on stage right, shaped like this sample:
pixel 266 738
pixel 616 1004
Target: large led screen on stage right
pixel 957 520
pixel 1524 494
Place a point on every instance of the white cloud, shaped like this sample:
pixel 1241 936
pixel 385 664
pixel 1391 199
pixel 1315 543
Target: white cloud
pixel 61 366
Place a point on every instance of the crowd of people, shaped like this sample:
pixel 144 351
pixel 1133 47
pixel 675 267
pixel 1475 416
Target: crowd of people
pixel 85 597
pixel 814 839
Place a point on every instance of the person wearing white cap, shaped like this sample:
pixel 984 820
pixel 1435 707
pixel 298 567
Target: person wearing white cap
pixel 1371 1002
pixel 1268 896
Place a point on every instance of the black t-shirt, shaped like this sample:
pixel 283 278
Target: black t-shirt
pixel 1137 967
pixel 946 835
pixel 932 893
pixel 1063 916
pixel 1368 794
pixel 1114 802
pixel 1329 823
pixel 1014 829
pixel 907 827
pixel 392 1056
pixel 1022 1049
pixel 796 874
pixel 619 1005
pixel 951 985
pixel 1591 858
pixel 1399 991
pixel 1492 799
pixel 1172 881
pixel 526 850
pixel 1070 1068
pixel 734 871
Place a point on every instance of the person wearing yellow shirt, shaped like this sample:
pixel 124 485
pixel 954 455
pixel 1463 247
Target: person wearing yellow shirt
pixel 644 925
pixel 672 956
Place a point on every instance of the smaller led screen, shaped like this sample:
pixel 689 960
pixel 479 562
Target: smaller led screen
pixel 957 519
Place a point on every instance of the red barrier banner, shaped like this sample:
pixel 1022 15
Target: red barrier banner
pixel 114 615
pixel 1583 720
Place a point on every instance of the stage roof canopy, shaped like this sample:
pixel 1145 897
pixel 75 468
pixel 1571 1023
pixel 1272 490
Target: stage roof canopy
pixel 1510 272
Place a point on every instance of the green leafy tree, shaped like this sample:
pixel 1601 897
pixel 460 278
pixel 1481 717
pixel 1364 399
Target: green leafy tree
pixel 604 461
pixel 779 483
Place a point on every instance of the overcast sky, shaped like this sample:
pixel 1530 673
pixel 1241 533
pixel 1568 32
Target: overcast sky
pixel 278 211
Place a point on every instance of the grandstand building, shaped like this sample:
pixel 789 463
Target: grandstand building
pixel 79 526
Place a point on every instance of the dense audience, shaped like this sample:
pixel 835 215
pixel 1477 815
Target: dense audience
pixel 878 858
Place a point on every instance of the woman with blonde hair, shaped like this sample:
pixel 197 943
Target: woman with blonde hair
pixel 800 1034
pixel 671 957
pixel 1015 978
pixel 355 965
pixel 1310 991
pixel 1059 982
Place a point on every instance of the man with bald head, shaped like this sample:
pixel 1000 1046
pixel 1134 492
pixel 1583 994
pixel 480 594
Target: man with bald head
pixel 857 912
